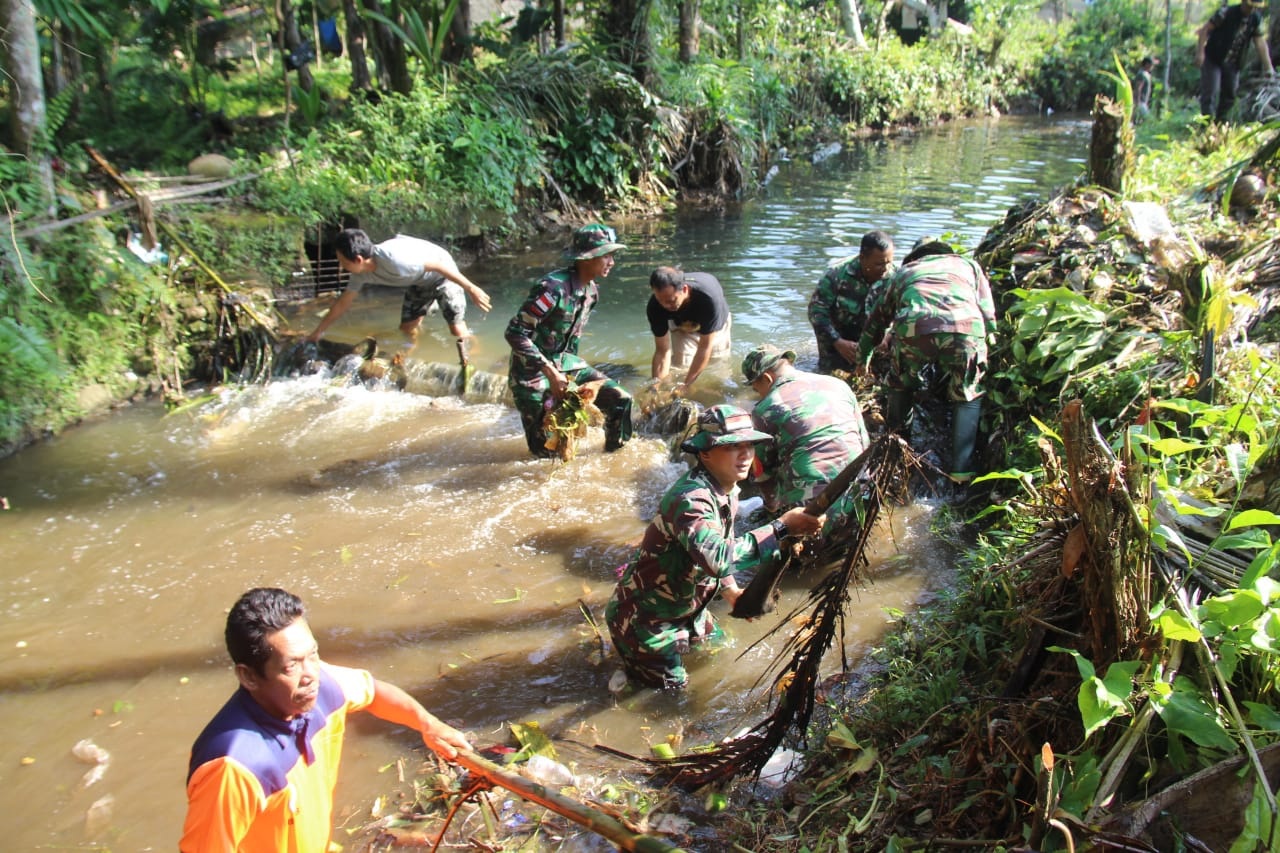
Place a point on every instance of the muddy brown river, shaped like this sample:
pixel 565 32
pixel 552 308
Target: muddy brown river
pixel 428 546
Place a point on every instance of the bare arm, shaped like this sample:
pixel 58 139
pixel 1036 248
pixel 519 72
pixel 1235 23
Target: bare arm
pixel 392 704
pixel 335 311
pixel 1264 55
pixel 446 267
pixel 661 357
pixel 1202 37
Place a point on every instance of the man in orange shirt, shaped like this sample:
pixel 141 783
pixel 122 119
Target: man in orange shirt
pixel 262 772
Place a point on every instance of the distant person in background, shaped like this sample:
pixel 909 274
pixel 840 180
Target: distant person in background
pixel 690 321
pixel 940 309
pixel 1220 44
pixel 427 272
pixel 544 336
pixel 838 307
pixel 1143 85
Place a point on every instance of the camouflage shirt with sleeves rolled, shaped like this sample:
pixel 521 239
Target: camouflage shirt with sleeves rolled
pixel 838 306
pixel 661 599
pixel 549 323
pixel 817 426
pixel 937 293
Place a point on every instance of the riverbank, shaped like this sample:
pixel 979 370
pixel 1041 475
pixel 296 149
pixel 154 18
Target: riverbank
pixel 1059 695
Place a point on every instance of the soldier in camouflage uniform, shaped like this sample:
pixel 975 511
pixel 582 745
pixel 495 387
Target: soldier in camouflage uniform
pixel 838 307
pixel 544 337
pixel 689 554
pixel 815 421
pixel 940 310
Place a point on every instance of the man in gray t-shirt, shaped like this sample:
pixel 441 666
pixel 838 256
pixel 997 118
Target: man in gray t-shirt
pixel 426 271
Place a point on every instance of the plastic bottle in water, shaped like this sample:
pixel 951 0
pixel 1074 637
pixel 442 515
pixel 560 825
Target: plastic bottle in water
pixel 548 772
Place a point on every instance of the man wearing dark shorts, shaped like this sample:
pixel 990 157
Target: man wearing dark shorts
pixel 690 321
pixel 426 271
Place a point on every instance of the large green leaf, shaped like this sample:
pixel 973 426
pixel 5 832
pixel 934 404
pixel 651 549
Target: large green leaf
pixel 1234 609
pixel 1102 699
pixel 1185 712
pixel 1174 626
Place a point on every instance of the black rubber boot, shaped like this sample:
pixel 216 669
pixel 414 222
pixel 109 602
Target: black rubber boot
pixel 964 435
pixel 897 408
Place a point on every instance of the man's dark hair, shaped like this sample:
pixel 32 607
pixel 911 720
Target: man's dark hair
pixel 259 613
pixel 664 277
pixel 875 241
pixel 930 247
pixel 353 243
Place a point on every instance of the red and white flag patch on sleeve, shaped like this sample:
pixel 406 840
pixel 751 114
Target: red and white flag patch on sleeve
pixel 542 305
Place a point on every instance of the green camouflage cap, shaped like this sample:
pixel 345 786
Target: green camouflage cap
pixel 762 358
pixel 720 425
pixel 592 241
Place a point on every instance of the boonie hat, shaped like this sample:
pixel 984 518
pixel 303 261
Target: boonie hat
pixel 723 424
pixel 592 241
pixel 762 358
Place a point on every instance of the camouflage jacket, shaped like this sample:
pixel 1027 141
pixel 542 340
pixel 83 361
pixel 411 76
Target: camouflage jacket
pixel 550 321
pixel 936 293
pixel 687 550
pixel 818 429
pixel 838 306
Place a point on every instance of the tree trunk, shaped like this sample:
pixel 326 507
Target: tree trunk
pixel 852 25
pixel 1110 145
pixel 102 67
pixel 21 54
pixel 688 30
pixel 626 24
pixel 1114 594
pixel 393 64
pixel 1273 40
pixel 291 41
pixel 557 14
pixel 360 79
pixel 740 30
pixel 1168 55
pixel 458 47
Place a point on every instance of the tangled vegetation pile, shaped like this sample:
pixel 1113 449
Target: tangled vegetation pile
pixel 1105 676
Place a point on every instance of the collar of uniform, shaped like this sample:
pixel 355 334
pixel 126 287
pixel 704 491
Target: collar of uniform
pixel 296 732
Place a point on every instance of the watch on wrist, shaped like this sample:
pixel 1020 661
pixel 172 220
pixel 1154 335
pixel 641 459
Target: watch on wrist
pixel 779 529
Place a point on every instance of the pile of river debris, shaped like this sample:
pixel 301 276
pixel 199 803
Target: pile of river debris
pixel 1138 362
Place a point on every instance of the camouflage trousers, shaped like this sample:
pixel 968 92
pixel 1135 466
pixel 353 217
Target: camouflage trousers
pixel 962 358
pixel 533 400
pixel 654 664
pixel 422 300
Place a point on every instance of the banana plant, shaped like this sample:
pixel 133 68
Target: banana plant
pixel 425 39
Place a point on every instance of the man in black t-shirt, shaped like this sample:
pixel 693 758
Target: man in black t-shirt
pixel 690 321
pixel 1220 46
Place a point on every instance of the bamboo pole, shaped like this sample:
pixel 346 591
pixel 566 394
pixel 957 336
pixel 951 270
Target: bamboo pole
pixel 580 813
pixel 174 236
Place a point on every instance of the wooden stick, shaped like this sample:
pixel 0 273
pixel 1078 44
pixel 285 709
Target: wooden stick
pixel 173 235
pixel 580 813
